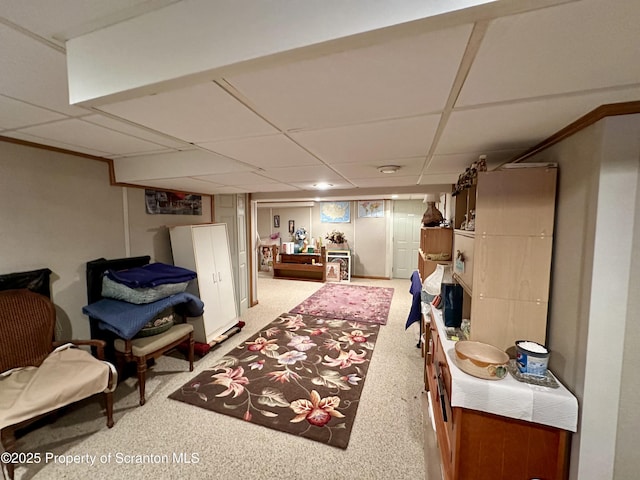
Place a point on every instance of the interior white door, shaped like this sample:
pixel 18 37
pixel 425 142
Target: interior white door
pixel 407 220
pixel 243 256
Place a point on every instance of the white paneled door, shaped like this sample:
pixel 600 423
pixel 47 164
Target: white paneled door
pixel 407 219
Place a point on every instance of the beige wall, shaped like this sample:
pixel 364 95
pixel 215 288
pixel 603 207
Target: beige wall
pixel 367 237
pixel 59 211
pixel 593 309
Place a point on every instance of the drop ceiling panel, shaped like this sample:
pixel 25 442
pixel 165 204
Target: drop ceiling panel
pixel 134 131
pixel 371 142
pixel 408 76
pixel 457 163
pixel 197 114
pixel 408 166
pixel 298 174
pixel 88 135
pixel 264 152
pixel 577 46
pixel 184 184
pixel 16 114
pixel 175 164
pixel 386 181
pixel 520 125
pixel 48 18
pixel 235 179
pixel 52 143
pixel 33 72
pixel 268 187
pixel 440 179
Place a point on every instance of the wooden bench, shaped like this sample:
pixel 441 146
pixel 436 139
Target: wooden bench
pixel 299 266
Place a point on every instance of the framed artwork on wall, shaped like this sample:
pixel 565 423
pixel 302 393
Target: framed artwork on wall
pixel 292 226
pixel 276 221
pixel 371 209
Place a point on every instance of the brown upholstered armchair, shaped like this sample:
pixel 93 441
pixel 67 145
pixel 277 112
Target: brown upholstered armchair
pixel 38 375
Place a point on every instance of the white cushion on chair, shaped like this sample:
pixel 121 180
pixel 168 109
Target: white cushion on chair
pixel 141 347
pixel 64 377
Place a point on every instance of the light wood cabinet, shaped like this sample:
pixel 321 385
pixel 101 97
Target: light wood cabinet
pixel 507 265
pixel 205 249
pixel 476 445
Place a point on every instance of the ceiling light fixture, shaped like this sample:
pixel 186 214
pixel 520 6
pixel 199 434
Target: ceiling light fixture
pixel 322 185
pixel 388 169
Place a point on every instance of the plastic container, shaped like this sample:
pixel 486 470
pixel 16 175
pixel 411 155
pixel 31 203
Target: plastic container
pixel 532 360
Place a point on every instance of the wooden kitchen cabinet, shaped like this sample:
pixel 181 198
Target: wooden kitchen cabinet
pixel 476 445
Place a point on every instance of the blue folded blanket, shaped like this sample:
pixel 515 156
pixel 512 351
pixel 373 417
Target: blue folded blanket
pixel 126 319
pixel 151 275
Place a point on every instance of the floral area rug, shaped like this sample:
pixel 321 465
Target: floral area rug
pixel 349 302
pixel 302 375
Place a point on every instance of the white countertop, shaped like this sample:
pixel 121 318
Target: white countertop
pixel 556 407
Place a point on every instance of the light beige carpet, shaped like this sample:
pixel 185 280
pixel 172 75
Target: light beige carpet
pixel 173 440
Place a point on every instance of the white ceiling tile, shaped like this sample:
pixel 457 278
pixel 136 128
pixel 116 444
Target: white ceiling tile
pixel 16 114
pixel 136 131
pixel 408 166
pixel 235 179
pixel 197 114
pixel 577 46
pixel 175 164
pixel 268 187
pixel 34 72
pixel 371 142
pixel 263 152
pixel 393 79
pixel 522 124
pixel 53 143
pixel 458 162
pixel 88 135
pixel 439 179
pixel 386 181
pixel 303 174
pixel 183 184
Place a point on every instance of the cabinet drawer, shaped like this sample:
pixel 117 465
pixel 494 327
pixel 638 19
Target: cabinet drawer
pixel 464 243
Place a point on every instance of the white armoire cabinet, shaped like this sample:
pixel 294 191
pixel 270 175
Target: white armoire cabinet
pixel 205 250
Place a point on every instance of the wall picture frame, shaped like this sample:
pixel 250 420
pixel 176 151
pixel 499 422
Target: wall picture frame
pixel 276 221
pixel 292 226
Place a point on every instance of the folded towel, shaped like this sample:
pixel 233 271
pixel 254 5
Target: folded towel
pixel 126 319
pixel 151 275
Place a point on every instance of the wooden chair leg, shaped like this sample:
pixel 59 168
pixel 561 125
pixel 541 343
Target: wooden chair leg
pixel 191 344
pixel 142 373
pixel 108 397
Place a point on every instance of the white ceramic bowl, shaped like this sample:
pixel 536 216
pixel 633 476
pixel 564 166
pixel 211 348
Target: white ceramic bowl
pixel 481 360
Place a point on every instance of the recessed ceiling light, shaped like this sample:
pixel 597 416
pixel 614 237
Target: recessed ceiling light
pixel 388 169
pixel 394 196
pixel 322 185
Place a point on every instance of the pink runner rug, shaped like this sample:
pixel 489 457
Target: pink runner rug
pixel 348 302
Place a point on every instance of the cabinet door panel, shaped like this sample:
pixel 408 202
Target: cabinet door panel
pixel 224 271
pixel 512 267
pixel 501 322
pixel 516 202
